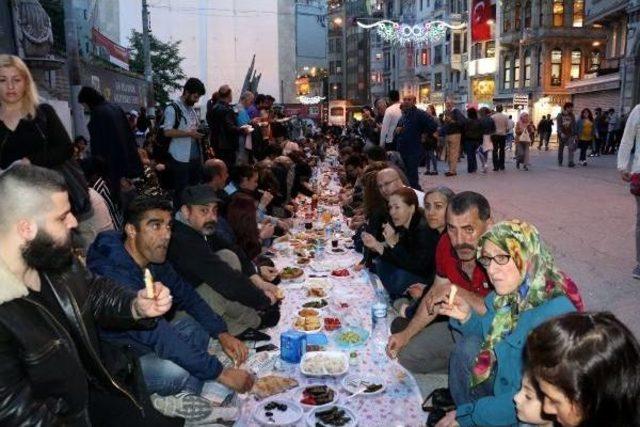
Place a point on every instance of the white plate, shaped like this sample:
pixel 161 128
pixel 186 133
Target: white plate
pixel 299 397
pixel 314 299
pixel 337 251
pixel 321 266
pixel 319 282
pixel 311 418
pixel 355 378
pixel 323 359
pixel 290 417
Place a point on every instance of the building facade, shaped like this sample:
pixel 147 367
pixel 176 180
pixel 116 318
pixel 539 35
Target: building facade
pixel 630 66
pixel 311 48
pixel 545 45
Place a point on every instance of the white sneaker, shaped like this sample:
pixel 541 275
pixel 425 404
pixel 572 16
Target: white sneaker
pixel 192 407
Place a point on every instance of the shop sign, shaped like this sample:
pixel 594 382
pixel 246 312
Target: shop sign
pixel 519 99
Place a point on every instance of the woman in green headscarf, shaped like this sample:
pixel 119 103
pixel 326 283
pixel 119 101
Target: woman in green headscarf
pixel 485 369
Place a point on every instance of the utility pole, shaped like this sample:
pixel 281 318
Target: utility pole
pixel 73 67
pixel 146 53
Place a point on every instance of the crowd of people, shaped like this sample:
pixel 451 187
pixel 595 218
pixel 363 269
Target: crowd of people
pixel 84 341
pixel 423 137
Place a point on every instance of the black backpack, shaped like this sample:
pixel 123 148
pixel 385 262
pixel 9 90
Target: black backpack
pixel 162 141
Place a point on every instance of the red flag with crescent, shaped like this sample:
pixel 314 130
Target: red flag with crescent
pixel 481 14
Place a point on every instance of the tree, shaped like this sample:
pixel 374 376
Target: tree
pixel 165 64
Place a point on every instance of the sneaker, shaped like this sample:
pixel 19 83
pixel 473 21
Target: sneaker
pixel 434 173
pixel 450 174
pixel 584 163
pixel 526 167
pixel 191 407
pixel 572 165
pixel 636 272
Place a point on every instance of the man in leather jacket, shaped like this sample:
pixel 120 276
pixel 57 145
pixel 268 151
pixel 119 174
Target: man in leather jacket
pixel 52 369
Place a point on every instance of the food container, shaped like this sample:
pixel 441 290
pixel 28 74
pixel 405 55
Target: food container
pixel 293 345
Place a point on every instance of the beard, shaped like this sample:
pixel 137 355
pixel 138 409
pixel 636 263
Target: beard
pixel 45 254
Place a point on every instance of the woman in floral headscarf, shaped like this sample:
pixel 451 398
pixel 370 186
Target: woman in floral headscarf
pixel 486 366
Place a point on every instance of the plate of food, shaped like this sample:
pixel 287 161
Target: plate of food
pixel 354 383
pixel 332 324
pixel 316 396
pixel 324 363
pixel 331 416
pixel 270 385
pixel 316 292
pixel 340 273
pixel 351 337
pixel 337 251
pixel 278 412
pixel 309 323
pixel 292 274
pixel 302 260
pixel 321 266
pixel 318 304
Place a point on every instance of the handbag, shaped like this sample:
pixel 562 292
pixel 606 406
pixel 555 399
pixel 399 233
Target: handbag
pixel 634 184
pixel 77 186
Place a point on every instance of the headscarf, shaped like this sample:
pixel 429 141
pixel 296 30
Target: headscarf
pixel 541 282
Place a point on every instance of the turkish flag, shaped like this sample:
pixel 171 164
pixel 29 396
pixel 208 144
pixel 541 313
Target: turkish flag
pixel 481 13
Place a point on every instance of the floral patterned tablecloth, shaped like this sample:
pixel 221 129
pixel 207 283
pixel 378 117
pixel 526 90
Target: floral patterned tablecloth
pixel 400 404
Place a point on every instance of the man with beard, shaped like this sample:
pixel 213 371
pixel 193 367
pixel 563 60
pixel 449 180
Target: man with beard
pixel 426 342
pixel 220 272
pixel 224 128
pixel 174 356
pixel 53 371
pixel 181 125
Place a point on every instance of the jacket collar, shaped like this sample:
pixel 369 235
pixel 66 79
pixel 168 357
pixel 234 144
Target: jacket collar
pixel 10 286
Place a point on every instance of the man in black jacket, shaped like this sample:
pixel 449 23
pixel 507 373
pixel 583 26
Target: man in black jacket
pixel 52 369
pixel 223 275
pixel 225 131
pixel 111 138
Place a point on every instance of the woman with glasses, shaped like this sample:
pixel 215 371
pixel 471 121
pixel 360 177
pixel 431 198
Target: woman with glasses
pixel 485 369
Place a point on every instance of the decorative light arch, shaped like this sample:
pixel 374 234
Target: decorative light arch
pixel 310 100
pixel 418 34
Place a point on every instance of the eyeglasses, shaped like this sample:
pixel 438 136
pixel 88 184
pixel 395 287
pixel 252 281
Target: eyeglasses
pixel 500 259
pixel 386 184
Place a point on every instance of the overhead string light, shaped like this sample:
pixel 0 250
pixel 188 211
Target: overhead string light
pixel 418 34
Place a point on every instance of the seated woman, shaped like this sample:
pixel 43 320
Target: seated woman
pixel 436 201
pixel 587 366
pixel 374 212
pixel 485 368
pixel 407 254
pixel 241 216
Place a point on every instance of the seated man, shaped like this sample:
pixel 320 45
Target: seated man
pixel 53 370
pixel 237 294
pixel 424 345
pixel 174 356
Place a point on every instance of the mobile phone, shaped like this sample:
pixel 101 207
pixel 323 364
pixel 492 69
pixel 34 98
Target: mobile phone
pixel 266 347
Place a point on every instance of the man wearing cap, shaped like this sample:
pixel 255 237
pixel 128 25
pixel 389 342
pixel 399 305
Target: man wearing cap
pixel 222 274
pixel 174 356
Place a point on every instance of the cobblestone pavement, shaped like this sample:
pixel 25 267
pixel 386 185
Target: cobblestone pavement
pixel 585 214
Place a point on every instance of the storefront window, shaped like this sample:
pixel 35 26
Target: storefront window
pixel 576 60
pixel 578 13
pixel 556 67
pixel 558 13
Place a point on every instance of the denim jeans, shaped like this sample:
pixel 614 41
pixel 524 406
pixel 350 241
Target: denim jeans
pixel 166 377
pixel 432 159
pixel 470 148
pixel 394 279
pixel 461 363
pixel 184 174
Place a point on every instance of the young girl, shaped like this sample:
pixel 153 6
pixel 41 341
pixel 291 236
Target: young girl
pixel 587 366
pixel 529 404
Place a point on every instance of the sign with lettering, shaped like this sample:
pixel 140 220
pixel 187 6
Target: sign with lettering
pixel 519 99
pixel 127 90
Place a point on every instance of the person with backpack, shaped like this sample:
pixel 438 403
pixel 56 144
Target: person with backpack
pixel 180 125
pixel 566 125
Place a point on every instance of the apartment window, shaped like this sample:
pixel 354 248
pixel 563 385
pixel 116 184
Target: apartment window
pixel 378 56
pixel 576 60
pixel 506 23
pixel 476 51
pixel 507 73
pixel 527 68
pixel 424 57
pixel 578 13
pixel 594 60
pixel 556 67
pixel 437 54
pixel 516 71
pixel 338 45
pixel 437 80
pixel 527 14
pixel 490 51
pixel 338 67
pixel 518 15
pixel 457 43
pixel 558 13
pixel 421 5
pixel 539 70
